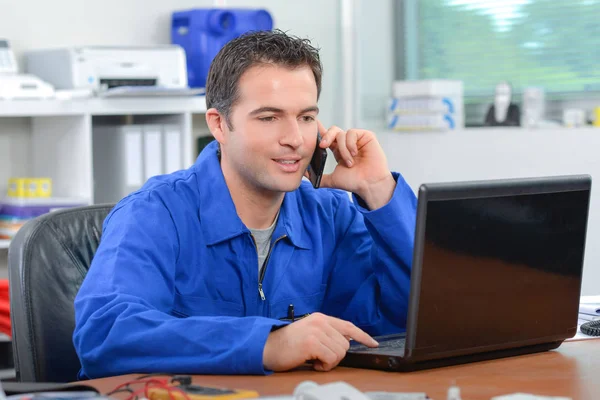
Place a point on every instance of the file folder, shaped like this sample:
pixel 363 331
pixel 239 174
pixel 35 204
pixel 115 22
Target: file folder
pixel 118 162
pixel 153 164
pixel 133 156
pixel 172 148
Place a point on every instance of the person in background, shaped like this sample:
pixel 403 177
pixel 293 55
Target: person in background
pixel 503 112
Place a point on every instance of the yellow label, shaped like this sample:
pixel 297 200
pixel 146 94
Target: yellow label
pixel 16 187
pixel 44 187
pixel 31 186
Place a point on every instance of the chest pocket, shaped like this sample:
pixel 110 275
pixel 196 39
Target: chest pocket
pixel 193 306
pixel 302 305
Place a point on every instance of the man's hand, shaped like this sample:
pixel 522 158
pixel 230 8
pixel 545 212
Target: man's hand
pixel 317 337
pixel 362 165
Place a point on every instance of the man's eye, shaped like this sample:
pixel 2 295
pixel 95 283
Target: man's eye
pixel 267 119
pixel 308 118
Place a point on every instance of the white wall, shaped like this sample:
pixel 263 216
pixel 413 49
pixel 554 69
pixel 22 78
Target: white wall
pixel 496 153
pixel 375 61
pixel 32 24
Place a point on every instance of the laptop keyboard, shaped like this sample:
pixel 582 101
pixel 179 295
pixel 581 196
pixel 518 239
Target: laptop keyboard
pixel 385 346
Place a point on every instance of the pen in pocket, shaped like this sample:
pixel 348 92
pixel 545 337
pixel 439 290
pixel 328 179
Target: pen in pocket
pixel 291 315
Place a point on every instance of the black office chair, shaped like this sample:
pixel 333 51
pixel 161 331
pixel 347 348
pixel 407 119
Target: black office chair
pixel 47 261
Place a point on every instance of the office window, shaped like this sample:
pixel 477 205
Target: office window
pixel 554 44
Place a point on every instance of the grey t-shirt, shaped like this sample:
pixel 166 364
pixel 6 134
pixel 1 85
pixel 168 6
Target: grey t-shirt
pixel 262 237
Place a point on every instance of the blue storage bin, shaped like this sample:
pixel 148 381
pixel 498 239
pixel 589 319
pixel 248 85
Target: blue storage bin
pixel 203 32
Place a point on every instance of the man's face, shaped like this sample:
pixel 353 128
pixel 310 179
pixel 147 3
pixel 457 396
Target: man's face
pixel 274 128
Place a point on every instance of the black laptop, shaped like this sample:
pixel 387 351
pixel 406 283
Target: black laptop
pixel 496 272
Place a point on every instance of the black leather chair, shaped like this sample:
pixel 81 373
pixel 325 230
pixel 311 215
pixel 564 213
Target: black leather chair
pixel 47 261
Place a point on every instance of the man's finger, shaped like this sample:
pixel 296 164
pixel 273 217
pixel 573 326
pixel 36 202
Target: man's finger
pixel 329 137
pixel 329 360
pixel 321 128
pixel 335 341
pixel 352 141
pixel 348 329
pixel 336 153
pixel 342 148
pixel 318 366
pixel 334 147
pixel 325 355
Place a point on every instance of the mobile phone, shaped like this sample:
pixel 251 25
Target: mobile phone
pixel 317 164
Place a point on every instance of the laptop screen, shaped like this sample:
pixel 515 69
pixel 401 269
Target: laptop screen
pixel 500 271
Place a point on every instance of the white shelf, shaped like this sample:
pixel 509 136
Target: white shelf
pixel 55 138
pixel 492 131
pixel 45 201
pixel 103 106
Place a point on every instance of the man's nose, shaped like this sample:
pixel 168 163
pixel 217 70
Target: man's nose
pixel 292 136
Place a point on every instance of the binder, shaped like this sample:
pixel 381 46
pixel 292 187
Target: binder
pixel 133 156
pixel 153 163
pixel 118 161
pixel 172 148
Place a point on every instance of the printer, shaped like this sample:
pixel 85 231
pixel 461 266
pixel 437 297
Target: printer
pixel 99 68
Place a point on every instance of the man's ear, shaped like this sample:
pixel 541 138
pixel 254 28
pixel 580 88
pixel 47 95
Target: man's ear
pixel 217 125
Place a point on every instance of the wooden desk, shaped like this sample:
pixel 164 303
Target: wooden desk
pixel 573 370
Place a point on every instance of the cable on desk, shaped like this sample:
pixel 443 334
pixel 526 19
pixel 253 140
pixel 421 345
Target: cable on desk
pixel 119 391
pixel 591 328
pixel 183 380
pixel 150 381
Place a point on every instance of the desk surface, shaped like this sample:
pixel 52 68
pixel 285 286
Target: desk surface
pixel 572 370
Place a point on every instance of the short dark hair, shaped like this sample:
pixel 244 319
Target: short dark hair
pixel 262 47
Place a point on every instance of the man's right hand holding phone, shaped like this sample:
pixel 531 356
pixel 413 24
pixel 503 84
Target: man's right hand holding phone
pixel 317 337
pixel 362 166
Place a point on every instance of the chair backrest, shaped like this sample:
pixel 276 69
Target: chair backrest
pixel 47 261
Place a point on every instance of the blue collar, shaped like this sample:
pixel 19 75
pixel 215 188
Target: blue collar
pixel 217 211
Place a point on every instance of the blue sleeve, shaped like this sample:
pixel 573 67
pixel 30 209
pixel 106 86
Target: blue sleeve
pixel 123 309
pixel 369 282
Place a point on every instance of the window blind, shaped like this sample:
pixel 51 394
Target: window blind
pixel 553 44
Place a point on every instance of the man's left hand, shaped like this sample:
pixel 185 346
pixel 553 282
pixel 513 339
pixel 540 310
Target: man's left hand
pixel 361 165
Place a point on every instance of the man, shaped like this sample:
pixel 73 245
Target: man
pixel 200 271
